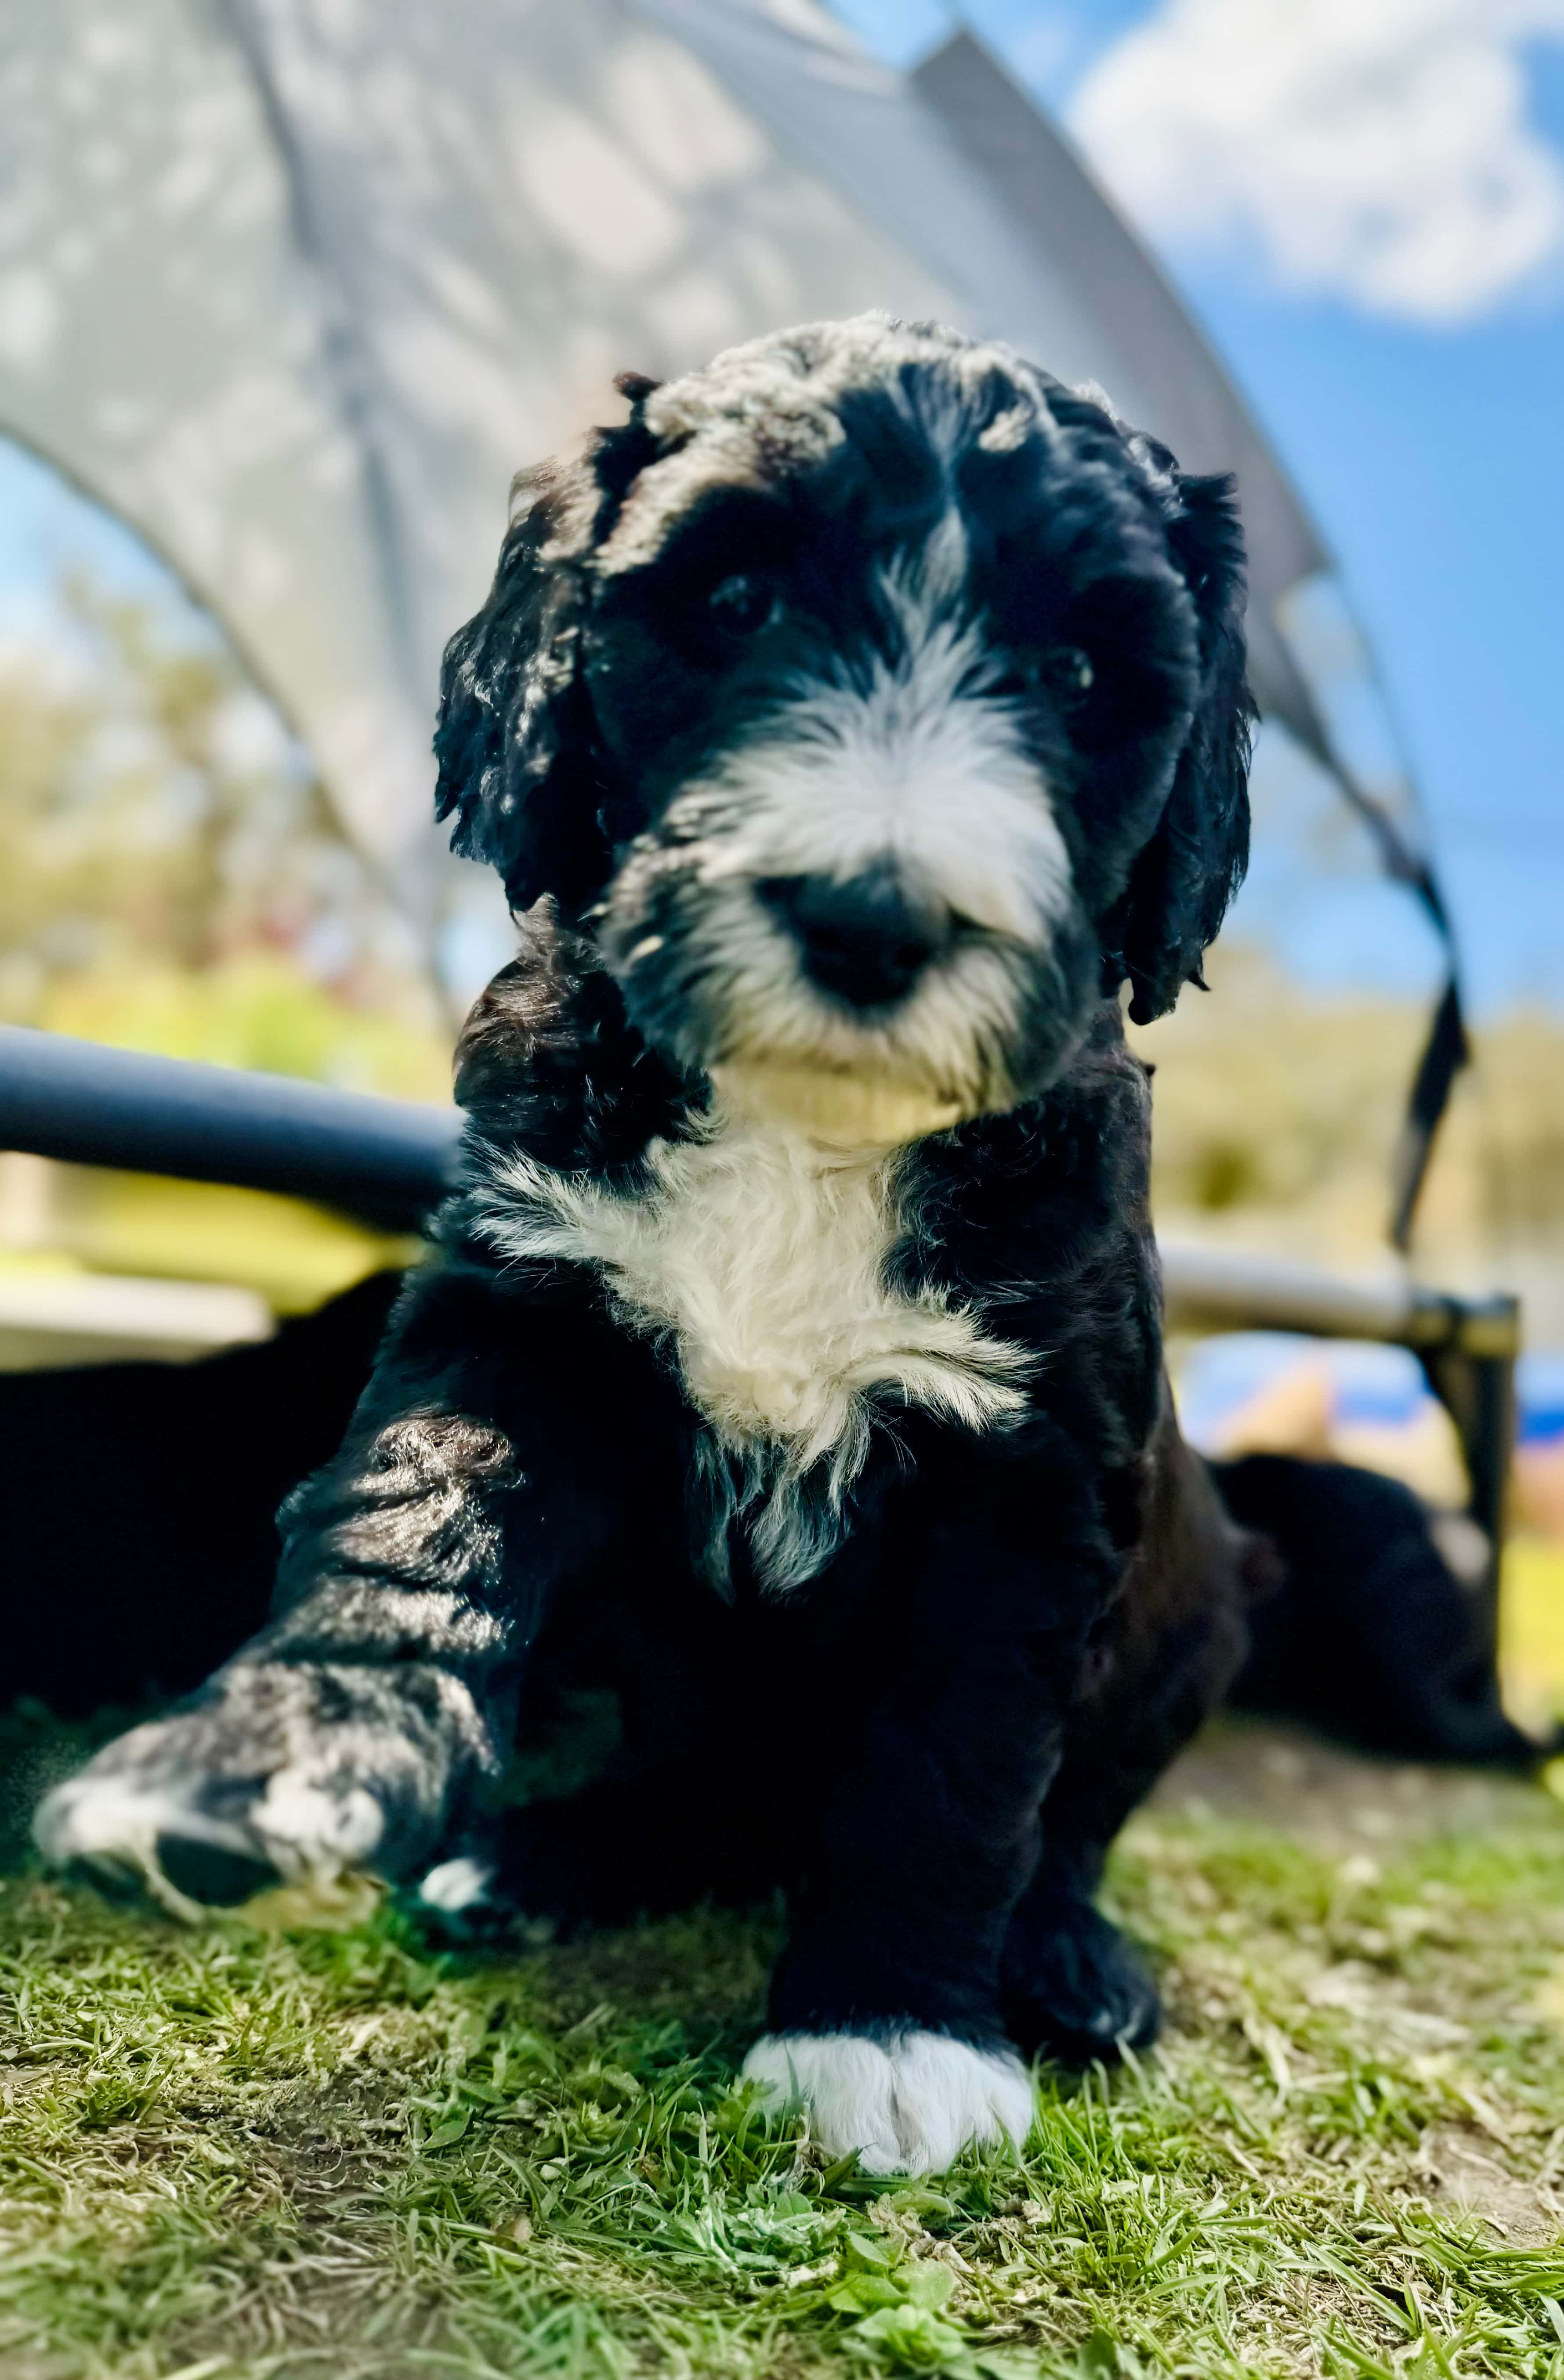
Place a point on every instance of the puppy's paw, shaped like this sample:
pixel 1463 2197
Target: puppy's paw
pixel 465 1901
pixel 1073 1989
pixel 906 2102
pixel 292 1773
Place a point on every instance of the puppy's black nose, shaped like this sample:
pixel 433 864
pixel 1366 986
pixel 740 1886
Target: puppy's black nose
pixel 863 940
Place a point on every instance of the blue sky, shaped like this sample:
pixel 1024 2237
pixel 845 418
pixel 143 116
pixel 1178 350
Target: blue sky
pixel 1364 200
pixel 1409 364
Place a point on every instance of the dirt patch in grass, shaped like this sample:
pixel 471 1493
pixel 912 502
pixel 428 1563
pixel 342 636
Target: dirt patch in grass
pixel 1335 1801
pixel 1463 2173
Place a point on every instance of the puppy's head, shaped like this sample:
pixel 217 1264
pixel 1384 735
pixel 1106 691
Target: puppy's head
pixel 878 703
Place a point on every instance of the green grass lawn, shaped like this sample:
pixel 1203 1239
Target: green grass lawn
pixel 230 2153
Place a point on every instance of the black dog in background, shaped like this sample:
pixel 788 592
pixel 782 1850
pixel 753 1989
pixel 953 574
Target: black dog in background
pixel 1361 1627
pixel 848 727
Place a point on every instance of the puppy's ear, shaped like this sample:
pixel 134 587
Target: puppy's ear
pixel 1194 863
pixel 514 741
pixel 511 716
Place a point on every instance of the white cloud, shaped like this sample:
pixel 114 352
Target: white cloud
pixel 1378 150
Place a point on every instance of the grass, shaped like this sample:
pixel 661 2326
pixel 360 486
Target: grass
pixel 229 2153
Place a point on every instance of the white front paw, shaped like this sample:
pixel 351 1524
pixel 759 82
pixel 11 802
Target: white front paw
pixel 291 1774
pixel 156 1809
pixel 908 2102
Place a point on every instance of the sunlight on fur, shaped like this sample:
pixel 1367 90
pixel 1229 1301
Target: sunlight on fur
pixel 838 1110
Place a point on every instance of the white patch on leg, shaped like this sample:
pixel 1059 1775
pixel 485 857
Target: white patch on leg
pixel 109 1819
pixel 113 1817
pixel 455 1885
pixel 305 1827
pixel 907 2105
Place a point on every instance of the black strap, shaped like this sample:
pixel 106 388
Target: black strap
pixel 1445 1052
pixel 1447 1049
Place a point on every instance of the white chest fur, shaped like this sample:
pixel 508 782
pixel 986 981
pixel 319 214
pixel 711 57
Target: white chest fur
pixel 761 1260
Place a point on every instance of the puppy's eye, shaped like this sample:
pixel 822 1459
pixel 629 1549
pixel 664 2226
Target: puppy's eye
pixel 742 606
pixel 1068 673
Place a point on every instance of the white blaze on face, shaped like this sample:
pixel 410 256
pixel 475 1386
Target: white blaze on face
pixel 911 759
pixel 913 764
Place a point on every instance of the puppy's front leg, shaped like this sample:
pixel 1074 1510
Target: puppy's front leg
pixel 356 1729
pixel 884 2014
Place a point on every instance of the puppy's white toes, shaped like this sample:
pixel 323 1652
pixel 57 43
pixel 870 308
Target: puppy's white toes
pixel 222 1800
pixel 908 2102
pixel 314 1822
pixel 130 1837
pixel 843 2080
pixel 457 1886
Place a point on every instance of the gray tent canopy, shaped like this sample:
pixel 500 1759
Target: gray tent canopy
pixel 294 289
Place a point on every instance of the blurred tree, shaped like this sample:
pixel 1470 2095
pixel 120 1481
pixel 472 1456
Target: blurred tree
pixel 1277 1110
pixel 171 874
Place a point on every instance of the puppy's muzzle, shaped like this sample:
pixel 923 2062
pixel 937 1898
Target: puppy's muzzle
pixel 864 940
pixel 867 942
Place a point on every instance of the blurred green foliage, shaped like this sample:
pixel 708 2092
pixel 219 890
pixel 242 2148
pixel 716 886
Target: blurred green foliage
pixel 1277 1111
pixel 172 876
pixel 172 879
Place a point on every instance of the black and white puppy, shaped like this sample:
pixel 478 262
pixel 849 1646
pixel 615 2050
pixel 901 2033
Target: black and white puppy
pixel 847 726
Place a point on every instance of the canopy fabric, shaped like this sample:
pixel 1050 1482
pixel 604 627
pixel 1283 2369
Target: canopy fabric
pixel 296 286
pixel 164 340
